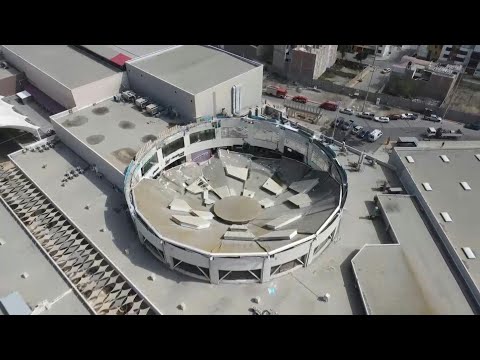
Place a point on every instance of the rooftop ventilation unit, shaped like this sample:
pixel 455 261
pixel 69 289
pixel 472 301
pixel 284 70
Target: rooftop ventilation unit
pixel 129 96
pixel 465 185
pixel 427 186
pixel 446 217
pixel 477 156
pixel 117 98
pixel 445 158
pixel 410 159
pixel 152 109
pixel 469 253
pixel 141 103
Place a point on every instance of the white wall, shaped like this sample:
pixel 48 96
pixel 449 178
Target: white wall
pixel 251 82
pixel 161 92
pixel 97 90
pixel 57 91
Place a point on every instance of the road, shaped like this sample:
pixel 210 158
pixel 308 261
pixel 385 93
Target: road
pixel 395 129
pixel 379 79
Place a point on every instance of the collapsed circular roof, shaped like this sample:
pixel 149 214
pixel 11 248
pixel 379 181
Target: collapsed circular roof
pixel 225 201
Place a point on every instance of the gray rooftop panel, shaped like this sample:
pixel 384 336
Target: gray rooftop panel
pixel 387 283
pixel 116 131
pixel 13 304
pixel 439 286
pixel 193 68
pixel 64 63
pixel 448 196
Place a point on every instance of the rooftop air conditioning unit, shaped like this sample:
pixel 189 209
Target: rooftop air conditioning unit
pixel 4 65
pixel 141 103
pixel 129 96
pixel 117 98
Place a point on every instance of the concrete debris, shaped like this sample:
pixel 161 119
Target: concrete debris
pixel 25 275
pixel 256 300
pixel 151 277
pixel 182 306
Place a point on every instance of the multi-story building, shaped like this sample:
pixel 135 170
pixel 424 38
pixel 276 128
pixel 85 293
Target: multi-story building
pixel 303 62
pixel 429 52
pixel 456 54
pixel 382 51
pixel 416 78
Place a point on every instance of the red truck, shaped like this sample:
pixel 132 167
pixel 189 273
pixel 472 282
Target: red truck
pixel 329 105
pixel 276 91
pixel 300 99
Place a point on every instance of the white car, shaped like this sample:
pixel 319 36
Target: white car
pixel 386 70
pixel 382 119
pixel 347 111
pixel 357 129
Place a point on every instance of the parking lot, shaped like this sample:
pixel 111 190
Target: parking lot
pixel 395 129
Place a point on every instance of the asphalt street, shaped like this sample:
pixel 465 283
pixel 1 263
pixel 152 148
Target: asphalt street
pixel 395 129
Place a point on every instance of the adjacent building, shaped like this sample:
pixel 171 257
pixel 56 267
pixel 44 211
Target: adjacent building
pixel 64 74
pixel 383 51
pixel 198 81
pixel 414 78
pixel 429 52
pixel 303 62
pixel 262 53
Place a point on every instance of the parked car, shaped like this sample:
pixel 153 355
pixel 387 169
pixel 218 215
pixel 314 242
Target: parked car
pixel 382 119
pixel 356 129
pixel 433 118
pixel 408 116
pixel 329 105
pixel 363 134
pixel 473 126
pixel 366 115
pixel 347 125
pixel 347 111
pixel 386 71
pixel 374 135
pixel 338 122
pixel 300 99
pixel 394 117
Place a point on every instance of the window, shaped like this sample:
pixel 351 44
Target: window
pixel 202 136
pixel 148 165
pixel 173 146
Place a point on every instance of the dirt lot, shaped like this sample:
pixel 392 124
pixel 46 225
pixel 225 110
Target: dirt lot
pixel 466 100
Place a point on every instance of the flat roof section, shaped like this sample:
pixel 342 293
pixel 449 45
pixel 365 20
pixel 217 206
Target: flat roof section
pixel 19 255
pixel 116 131
pixel 438 285
pixel 64 63
pixel 387 283
pixel 193 68
pixel 448 195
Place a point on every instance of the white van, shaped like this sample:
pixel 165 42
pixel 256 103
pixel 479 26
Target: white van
pixel 374 135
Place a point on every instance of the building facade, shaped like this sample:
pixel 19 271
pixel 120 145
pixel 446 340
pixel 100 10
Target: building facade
pixel 303 62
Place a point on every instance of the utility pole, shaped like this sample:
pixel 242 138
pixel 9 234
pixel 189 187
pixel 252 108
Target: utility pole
pixel 370 82
pixel 335 121
pixel 454 90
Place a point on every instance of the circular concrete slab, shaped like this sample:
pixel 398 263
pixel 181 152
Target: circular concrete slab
pixel 237 209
